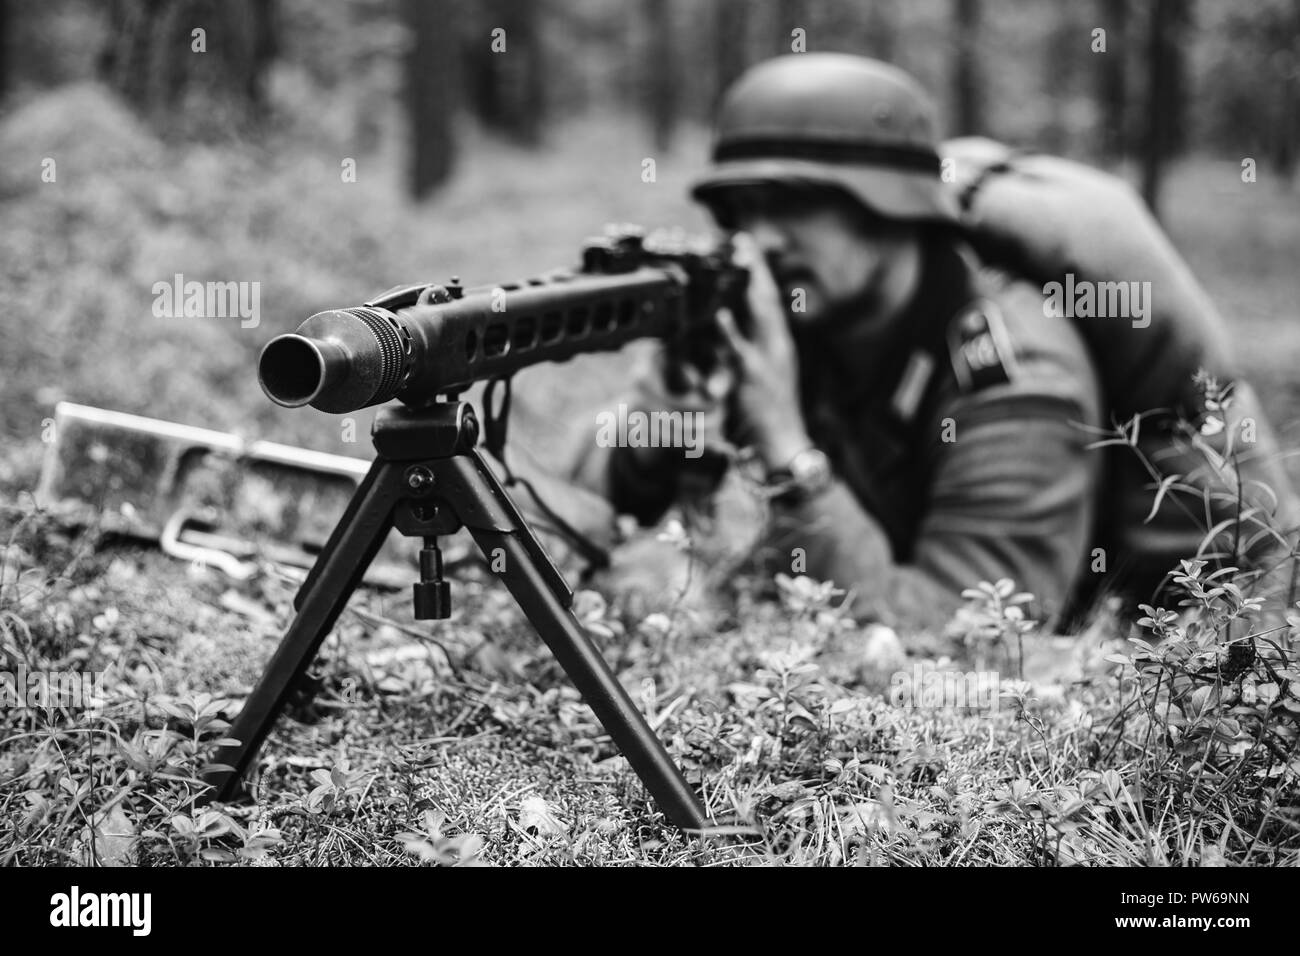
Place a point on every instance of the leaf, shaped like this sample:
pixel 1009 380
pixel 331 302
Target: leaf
pixel 1161 491
pixel 420 848
pixel 433 821
pixel 39 808
pixel 882 649
pixel 657 625
pixel 1203 699
pixel 589 606
pixel 788 791
pixel 321 799
pixel 536 815
pixel 1113 783
pixel 114 838
pixel 863 817
pixel 177 710
pixel 1227 729
pixel 467 847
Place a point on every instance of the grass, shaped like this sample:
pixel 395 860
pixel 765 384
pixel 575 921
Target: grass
pixel 476 727
pixel 464 742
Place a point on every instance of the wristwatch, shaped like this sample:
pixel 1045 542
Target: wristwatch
pixel 807 474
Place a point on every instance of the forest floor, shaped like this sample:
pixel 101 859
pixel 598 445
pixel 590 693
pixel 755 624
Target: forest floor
pixel 463 741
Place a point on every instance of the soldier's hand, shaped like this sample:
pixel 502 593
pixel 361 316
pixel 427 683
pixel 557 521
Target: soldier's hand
pixel 699 381
pixel 677 385
pixel 766 393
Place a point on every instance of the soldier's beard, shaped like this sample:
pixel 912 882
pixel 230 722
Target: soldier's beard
pixel 869 318
pixel 861 333
pixel 864 314
pixel 809 307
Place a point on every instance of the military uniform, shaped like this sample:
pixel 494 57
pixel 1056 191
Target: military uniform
pixel 967 451
pixel 963 458
pixel 960 447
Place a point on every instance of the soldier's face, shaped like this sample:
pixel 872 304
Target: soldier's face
pixel 826 253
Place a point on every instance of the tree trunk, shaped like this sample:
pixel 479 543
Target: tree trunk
pixel 968 93
pixel 506 70
pixel 882 29
pixel 264 47
pixel 1286 132
pixel 1063 49
pixel 483 79
pixel 730 42
pixel 430 96
pixel 154 59
pixel 528 79
pixel 1165 132
pixel 660 73
pixel 1112 80
pixel 790 14
pixel 4 48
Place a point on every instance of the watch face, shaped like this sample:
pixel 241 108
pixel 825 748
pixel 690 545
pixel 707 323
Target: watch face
pixel 811 469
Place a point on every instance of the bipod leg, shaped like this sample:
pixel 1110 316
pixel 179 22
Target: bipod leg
pixel 351 547
pixel 477 499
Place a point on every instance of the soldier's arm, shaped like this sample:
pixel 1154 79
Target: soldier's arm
pixel 1012 497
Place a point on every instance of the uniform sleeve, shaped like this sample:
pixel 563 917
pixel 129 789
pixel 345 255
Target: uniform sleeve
pixel 1010 496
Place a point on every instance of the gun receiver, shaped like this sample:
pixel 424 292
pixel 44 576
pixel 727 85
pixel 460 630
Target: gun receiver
pixel 418 342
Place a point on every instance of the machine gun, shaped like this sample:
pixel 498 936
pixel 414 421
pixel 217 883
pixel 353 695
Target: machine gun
pixel 424 345
pixel 426 342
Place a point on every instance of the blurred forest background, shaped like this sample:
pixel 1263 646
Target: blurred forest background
pixel 330 150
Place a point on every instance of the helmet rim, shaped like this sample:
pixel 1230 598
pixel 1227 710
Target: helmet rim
pixel 890 193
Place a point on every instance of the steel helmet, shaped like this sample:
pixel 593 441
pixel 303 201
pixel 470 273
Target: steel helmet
pixel 831 119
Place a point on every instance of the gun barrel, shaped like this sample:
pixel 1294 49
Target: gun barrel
pixel 345 359
pixel 294 370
